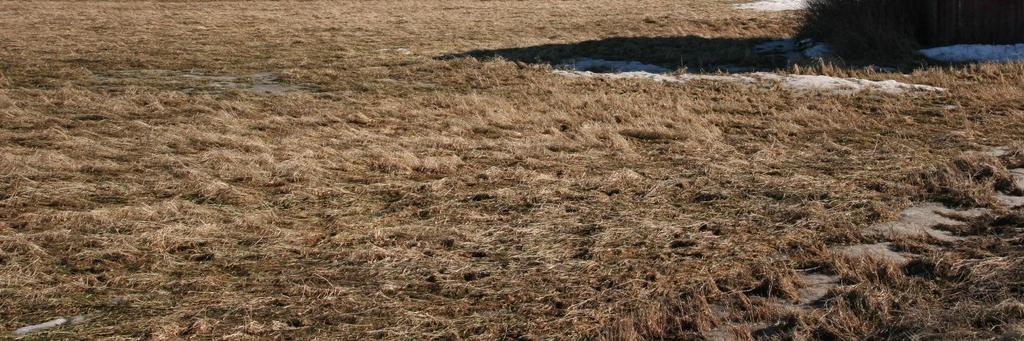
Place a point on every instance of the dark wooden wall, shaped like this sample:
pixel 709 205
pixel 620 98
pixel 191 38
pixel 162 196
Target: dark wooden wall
pixel 948 22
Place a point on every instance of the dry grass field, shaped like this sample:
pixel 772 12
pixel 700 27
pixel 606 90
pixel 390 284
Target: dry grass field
pixel 352 170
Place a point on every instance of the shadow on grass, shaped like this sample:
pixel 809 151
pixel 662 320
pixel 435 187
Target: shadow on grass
pixel 691 53
pixel 696 54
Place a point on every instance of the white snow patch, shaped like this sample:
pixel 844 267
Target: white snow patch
pixel 73 320
pixel 881 251
pixel 680 78
pixel 816 287
pixel 1000 152
pixel 976 52
pixel 849 85
pixel 605 66
pixel 774 5
pixel 1008 200
pixel 923 219
pixel 794 82
pixel 1018 177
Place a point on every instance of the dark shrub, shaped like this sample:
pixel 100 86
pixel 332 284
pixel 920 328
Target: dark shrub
pixel 876 30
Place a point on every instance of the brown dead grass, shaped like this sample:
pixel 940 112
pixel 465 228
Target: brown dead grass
pixel 968 180
pixel 405 196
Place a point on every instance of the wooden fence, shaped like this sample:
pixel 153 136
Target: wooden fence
pixel 948 22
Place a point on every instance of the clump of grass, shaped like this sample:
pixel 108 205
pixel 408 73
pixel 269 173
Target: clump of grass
pixel 4 82
pixel 876 30
pixel 969 180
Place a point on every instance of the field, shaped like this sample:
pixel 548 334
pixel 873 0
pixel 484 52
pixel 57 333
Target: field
pixel 411 170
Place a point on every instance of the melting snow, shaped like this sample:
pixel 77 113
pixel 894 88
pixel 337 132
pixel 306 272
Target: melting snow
pixel 605 66
pixel 680 78
pixel 847 85
pixel 613 69
pixel 777 46
pixel 878 251
pixel 794 49
pixel 774 5
pixel 1011 200
pixel 795 82
pixel 975 52
pixel 60 321
pixel 818 50
pixel 922 220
